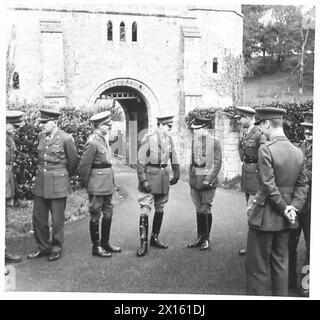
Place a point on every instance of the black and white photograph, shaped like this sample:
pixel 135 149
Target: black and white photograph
pixel 160 149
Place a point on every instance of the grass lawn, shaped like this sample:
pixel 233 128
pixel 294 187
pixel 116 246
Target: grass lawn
pixel 20 219
pixel 279 86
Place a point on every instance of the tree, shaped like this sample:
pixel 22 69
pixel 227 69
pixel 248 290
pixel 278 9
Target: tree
pixel 10 66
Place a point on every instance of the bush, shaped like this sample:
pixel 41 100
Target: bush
pixel 292 119
pixel 73 121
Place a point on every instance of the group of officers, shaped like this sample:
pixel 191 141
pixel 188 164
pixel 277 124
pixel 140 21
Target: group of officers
pixel 276 179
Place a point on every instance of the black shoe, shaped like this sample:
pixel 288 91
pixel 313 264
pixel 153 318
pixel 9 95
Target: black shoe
pixel 98 251
pixel 54 256
pixel 205 245
pixel 242 252
pixel 196 243
pixel 155 242
pixel 109 248
pixel 11 258
pixel 38 254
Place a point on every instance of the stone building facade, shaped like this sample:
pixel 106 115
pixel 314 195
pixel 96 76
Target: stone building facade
pixel 154 60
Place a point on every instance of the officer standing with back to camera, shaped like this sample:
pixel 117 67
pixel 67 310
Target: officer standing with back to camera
pixel 305 214
pixel 156 149
pixel 13 121
pixel 206 161
pixel 250 141
pixel 272 213
pixel 57 161
pixel 97 176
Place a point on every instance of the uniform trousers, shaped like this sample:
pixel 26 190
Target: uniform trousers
pixel 304 225
pixel 40 218
pixel 100 204
pixel 202 199
pixel 147 200
pixel 267 262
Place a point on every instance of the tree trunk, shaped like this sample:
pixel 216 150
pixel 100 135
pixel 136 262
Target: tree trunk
pixel 301 63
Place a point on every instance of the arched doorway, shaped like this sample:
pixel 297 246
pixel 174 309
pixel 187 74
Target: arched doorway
pixel 140 107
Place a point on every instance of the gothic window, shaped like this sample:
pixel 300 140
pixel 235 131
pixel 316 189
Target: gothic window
pixel 109 26
pixel 134 31
pixel 15 80
pixel 122 31
pixel 215 65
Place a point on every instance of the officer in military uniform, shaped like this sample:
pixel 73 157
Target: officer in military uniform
pixel 57 160
pixel 305 214
pixel 272 213
pixel 156 149
pixel 97 176
pixel 206 161
pixel 250 141
pixel 13 121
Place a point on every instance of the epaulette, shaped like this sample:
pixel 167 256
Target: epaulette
pixel 145 137
pixel 269 143
pixel 91 137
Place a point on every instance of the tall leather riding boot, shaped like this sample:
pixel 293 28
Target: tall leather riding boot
pixel 207 222
pixel 198 241
pixel 97 250
pixel 143 228
pixel 105 234
pixel 156 225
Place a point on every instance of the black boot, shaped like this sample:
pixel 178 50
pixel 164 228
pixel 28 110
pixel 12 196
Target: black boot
pixel 143 228
pixel 198 241
pixel 156 225
pixel 105 234
pixel 207 222
pixel 97 250
pixel 11 258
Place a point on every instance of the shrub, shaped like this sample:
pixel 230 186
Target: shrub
pixel 73 121
pixel 292 119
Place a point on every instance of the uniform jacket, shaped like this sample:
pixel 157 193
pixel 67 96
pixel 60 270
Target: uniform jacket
pixel 156 150
pixel 282 180
pixel 248 149
pixel 57 160
pixel 98 181
pixel 307 151
pixel 206 161
pixel 10 155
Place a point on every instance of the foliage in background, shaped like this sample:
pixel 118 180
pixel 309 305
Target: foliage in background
pixel 73 121
pixel 292 119
pixel 274 33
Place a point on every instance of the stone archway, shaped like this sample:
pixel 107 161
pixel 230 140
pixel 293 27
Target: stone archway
pixel 140 107
pixel 135 86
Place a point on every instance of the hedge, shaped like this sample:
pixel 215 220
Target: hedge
pixel 292 119
pixel 73 121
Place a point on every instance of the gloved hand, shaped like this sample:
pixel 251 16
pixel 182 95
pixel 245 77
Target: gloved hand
pixel 173 181
pixel 145 186
pixel 206 185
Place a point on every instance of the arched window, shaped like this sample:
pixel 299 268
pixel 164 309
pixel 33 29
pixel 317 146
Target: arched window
pixel 15 80
pixel 215 65
pixel 122 31
pixel 109 26
pixel 134 31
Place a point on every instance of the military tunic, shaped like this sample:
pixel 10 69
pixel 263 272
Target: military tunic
pixel 282 181
pixel 304 220
pixel 57 160
pixel 153 156
pixel 10 180
pixel 97 175
pixel 248 150
pixel 206 161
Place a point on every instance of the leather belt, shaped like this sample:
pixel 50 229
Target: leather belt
pixel 157 165
pixel 101 165
pixel 199 166
pixel 251 162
